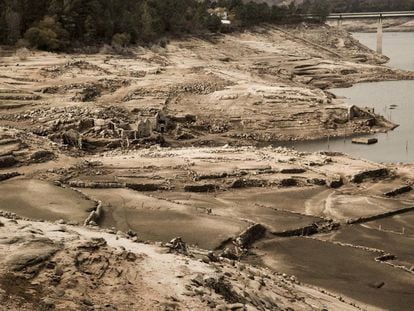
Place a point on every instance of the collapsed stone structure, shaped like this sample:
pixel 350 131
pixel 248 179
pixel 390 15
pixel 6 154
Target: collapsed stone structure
pixel 144 128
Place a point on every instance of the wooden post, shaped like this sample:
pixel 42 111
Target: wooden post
pixel 379 35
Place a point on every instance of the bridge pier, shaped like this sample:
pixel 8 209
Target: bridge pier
pixel 379 35
pixel 340 21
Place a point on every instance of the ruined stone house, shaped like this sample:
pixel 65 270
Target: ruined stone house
pixel 144 128
pixel 161 122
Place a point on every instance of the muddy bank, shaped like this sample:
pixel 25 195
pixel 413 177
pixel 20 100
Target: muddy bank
pixel 50 266
pixel 41 200
pixel 342 265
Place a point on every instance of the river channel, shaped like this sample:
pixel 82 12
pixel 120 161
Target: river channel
pixel 393 99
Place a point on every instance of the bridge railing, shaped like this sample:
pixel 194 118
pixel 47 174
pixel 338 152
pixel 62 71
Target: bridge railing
pixel 364 15
pixel 339 17
pixel 371 15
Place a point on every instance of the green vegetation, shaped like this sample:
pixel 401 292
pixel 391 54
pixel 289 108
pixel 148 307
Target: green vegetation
pixel 318 8
pixel 48 34
pixel 371 5
pixel 57 25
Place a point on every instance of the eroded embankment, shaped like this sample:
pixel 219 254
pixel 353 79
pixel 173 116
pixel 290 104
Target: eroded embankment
pixel 48 266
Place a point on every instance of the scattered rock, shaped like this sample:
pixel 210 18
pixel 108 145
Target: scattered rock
pixel 178 245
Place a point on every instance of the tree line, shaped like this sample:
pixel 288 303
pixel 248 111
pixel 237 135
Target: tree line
pixel 61 24
pixel 355 6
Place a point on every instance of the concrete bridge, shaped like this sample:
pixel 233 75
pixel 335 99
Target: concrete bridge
pixel 372 15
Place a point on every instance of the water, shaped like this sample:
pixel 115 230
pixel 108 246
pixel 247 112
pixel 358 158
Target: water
pixel 398 46
pixel 396 145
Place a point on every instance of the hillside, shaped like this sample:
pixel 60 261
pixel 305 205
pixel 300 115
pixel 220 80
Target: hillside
pixel 46 266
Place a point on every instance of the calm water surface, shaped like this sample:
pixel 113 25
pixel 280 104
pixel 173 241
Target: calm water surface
pixel 394 99
pixel 398 46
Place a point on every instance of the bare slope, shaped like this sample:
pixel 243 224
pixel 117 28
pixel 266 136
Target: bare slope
pixel 58 267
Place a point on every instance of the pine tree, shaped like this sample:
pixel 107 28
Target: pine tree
pixel 147 27
pixel 90 29
pixel 13 24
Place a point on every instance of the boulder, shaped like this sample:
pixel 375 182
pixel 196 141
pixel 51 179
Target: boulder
pixel 31 254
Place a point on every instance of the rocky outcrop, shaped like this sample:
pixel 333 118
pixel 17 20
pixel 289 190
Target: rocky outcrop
pixel 95 215
pixel 250 235
pixel 32 256
pixel 46 266
pixel 369 174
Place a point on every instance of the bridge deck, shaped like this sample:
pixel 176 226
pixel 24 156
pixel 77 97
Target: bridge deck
pixel 394 14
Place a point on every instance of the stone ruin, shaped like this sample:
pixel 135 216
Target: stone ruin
pixel 161 122
pixel 144 128
pixel 356 112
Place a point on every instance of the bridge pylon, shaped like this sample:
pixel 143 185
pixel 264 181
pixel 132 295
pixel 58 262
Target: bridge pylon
pixel 379 35
pixel 340 21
